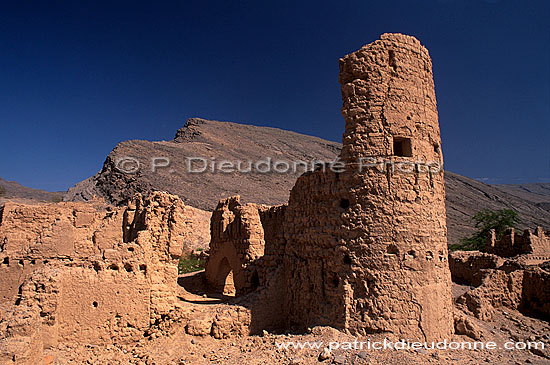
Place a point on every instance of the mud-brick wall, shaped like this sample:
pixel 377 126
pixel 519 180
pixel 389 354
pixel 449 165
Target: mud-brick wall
pixel 367 248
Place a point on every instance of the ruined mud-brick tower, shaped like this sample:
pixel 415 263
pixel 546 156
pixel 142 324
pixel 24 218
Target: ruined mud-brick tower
pixel 367 248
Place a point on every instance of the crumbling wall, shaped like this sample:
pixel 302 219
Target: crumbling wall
pixel 467 267
pixel 535 246
pixel 500 282
pixel 536 292
pixel 358 249
pixel 237 238
pixel 100 275
pixel 251 238
pixel 247 244
pixel 498 289
pixel 513 274
pixel 366 248
pixel 34 235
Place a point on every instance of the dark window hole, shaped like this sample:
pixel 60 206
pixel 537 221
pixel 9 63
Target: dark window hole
pixel 128 267
pixel 393 250
pixel 113 267
pixel 335 281
pixel 347 260
pixel 255 280
pixel 402 147
pixel 94 304
pixel 97 266
pixel 344 203
pixel 6 261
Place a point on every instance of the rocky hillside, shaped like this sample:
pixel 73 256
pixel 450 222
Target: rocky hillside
pixel 538 193
pixel 215 142
pixel 466 196
pixel 14 190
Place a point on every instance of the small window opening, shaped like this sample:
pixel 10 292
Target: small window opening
pixel 255 280
pixel 392 249
pixel 97 266
pixel 94 304
pixel 402 147
pixel 344 203
pixel 335 281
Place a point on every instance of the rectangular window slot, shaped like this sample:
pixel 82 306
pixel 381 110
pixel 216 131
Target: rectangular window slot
pixel 402 147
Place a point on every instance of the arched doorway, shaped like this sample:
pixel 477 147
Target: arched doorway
pixel 225 283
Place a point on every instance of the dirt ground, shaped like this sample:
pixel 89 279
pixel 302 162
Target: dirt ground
pixel 181 348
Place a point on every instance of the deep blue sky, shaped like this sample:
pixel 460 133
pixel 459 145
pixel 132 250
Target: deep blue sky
pixel 77 77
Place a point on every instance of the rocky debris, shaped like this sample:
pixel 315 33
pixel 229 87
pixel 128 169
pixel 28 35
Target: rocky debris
pixel 177 347
pixel 466 326
pixel 325 354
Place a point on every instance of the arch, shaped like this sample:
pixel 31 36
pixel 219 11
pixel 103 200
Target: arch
pixel 224 271
pixel 225 283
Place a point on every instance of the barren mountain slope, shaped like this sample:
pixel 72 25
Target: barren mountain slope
pixel 14 190
pixel 238 142
pixel 209 140
pixel 466 196
pixel 538 193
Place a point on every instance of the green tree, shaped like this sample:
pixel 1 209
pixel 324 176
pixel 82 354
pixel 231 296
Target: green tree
pixel 485 220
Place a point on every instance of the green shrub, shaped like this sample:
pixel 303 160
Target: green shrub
pixel 486 220
pixel 190 263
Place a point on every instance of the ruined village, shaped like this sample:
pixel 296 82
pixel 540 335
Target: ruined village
pixel 354 254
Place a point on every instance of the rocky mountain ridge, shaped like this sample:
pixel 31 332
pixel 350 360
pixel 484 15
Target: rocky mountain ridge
pixel 216 141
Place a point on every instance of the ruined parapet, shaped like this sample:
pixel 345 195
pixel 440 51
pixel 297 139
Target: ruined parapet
pixel 367 247
pixel 239 259
pixel 532 246
pixel 467 267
